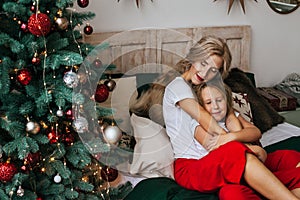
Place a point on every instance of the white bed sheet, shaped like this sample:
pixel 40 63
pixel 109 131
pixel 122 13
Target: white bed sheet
pixel 279 133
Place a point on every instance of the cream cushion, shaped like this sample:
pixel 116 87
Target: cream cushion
pixel 153 153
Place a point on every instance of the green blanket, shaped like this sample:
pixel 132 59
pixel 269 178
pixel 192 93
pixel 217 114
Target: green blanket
pixel 165 189
pixel 292 143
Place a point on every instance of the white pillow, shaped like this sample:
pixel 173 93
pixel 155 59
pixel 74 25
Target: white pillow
pixel 242 105
pixel 119 100
pixel 153 154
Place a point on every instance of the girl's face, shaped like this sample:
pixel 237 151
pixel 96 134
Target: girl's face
pixel 205 70
pixel 214 102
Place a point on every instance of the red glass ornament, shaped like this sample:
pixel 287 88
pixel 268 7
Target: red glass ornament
pixel 69 114
pixel 24 27
pixel 88 29
pixel 83 3
pixel 7 171
pixel 32 158
pixel 97 63
pixel 109 174
pixel 24 76
pixel 53 136
pixel 39 24
pixel 36 60
pixel 102 93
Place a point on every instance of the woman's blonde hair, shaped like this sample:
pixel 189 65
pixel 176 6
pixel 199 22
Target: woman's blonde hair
pixel 154 95
pixel 202 50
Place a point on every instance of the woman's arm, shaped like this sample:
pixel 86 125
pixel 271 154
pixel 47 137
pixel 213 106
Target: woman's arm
pixel 248 133
pixel 193 108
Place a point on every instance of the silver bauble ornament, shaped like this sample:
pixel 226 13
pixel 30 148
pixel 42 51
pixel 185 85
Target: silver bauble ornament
pixel 112 134
pixel 81 125
pixel 71 79
pixel 20 191
pixel 32 127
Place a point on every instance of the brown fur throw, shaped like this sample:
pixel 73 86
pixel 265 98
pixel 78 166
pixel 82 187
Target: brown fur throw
pixel 264 116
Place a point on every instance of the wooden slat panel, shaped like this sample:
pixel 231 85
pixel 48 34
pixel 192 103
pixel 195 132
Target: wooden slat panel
pixel 145 50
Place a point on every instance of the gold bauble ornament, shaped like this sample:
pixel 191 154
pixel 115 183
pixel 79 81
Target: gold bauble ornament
pixel 62 23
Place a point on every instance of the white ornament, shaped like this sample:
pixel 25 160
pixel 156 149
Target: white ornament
pixel 112 134
pixel 20 191
pixel 57 178
pixel 30 126
pixel 81 125
pixel 59 113
pixel 71 79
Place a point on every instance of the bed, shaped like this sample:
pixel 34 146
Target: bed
pixel 141 55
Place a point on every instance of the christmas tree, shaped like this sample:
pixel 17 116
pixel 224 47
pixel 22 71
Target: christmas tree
pixel 42 72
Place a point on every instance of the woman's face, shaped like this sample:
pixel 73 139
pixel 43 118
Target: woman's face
pixel 205 70
pixel 214 102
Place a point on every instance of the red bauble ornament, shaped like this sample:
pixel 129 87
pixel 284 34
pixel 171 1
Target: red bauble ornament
pixel 88 29
pixel 102 93
pixel 109 174
pixel 39 24
pixel 24 76
pixel 24 27
pixel 53 136
pixel 7 171
pixel 83 3
pixel 68 138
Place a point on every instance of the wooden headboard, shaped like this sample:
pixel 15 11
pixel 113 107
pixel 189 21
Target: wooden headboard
pixel 136 50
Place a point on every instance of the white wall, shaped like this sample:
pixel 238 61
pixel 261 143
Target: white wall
pixel 275 48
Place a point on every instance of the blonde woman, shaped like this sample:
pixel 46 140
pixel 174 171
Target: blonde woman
pixel 194 167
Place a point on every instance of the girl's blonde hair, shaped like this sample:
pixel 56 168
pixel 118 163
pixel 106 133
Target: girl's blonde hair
pixel 221 87
pixel 202 50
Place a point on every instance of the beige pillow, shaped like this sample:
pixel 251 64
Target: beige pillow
pixel 242 105
pixel 153 153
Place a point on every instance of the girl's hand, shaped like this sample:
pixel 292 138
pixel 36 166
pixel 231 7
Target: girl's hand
pixel 212 142
pixel 259 151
